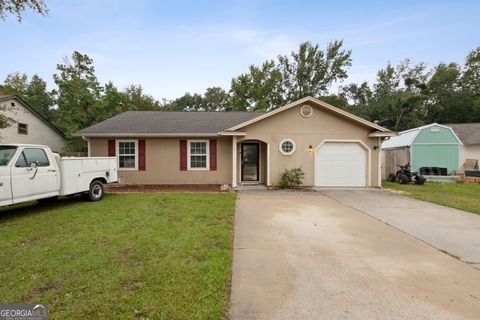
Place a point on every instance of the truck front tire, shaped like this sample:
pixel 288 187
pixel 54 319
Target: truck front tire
pixel 95 193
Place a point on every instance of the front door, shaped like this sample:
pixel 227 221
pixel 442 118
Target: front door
pixel 249 154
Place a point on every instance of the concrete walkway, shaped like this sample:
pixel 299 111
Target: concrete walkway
pixel 454 231
pixel 303 255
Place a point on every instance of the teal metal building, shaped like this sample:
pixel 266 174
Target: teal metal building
pixel 433 145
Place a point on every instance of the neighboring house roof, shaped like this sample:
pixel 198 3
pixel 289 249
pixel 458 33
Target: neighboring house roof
pixel 407 137
pixel 165 123
pixel 38 115
pixel 319 103
pixel 469 133
pixel 187 123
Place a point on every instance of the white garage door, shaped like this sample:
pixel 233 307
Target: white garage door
pixel 341 164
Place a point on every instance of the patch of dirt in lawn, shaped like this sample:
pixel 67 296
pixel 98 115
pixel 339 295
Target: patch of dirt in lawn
pixel 123 254
pixel 164 188
pixel 100 241
pixel 34 239
pixel 40 290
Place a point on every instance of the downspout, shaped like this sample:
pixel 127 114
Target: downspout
pixel 379 158
pixel 88 145
pixel 234 161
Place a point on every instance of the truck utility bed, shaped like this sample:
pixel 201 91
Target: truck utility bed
pixel 76 173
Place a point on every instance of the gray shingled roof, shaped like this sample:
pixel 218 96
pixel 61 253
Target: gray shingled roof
pixel 468 133
pixel 168 123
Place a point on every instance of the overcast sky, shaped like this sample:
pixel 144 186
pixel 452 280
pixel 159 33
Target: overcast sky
pixel 173 47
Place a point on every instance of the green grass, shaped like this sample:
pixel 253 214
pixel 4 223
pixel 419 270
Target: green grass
pixel 161 256
pixel 455 195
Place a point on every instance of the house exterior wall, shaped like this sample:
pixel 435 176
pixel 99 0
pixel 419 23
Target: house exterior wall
pixel 469 152
pixel 163 162
pixel 322 125
pixel 38 131
pixel 435 147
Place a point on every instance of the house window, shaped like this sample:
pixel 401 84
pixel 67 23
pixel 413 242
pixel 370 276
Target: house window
pixel 22 128
pixel 127 155
pixel 287 147
pixel 198 155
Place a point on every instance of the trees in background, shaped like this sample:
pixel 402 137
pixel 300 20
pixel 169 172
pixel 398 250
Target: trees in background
pixel 17 7
pixel 309 71
pixel 33 91
pixel 401 97
pixel 407 96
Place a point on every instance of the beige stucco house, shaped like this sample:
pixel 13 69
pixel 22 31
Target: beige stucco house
pixel 28 125
pixel 333 147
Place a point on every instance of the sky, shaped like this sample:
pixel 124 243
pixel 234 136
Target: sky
pixel 173 47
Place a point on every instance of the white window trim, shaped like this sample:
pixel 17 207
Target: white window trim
pixel 287 153
pixel 118 155
pixel 208 155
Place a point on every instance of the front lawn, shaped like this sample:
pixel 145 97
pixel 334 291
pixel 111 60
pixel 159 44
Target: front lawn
pixel 161 256
pixel 456 195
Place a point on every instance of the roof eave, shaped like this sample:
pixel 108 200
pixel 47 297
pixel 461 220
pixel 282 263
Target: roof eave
pixel 380 134
pixel 232 133
pixel 146 135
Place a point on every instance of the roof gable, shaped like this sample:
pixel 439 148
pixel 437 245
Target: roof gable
pixel 316 102
pixel 4 98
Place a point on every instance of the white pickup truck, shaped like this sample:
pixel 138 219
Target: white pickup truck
pixel 34 172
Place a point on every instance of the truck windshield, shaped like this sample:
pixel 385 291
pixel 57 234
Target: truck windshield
pixel 6 154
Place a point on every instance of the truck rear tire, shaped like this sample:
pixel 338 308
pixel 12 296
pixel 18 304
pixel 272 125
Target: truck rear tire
pixel 95 193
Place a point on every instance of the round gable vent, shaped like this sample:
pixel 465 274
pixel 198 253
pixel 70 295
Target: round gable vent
pixel 306 111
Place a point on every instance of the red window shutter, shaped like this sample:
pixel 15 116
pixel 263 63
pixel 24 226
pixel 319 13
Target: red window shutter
pixel 183 155
pixel 213 155
pixel 141 155
pixel 111 148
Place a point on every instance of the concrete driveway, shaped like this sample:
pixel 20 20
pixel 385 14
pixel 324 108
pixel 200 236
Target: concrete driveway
pixel 454 231
pixel 303 255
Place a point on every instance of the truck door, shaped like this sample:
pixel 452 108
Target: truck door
pixel 34 176
pixel 6 155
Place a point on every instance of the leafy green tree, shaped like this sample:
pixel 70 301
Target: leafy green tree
pixel 258 90
pixel 216 99
pixel 33 92
pixel 471 72
pixel 137 99
pixel 17 7
pixel 15 84
pixel 39 98
pixel 398 96
pixel 78 97
pixel 311 71
pixel 187 102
